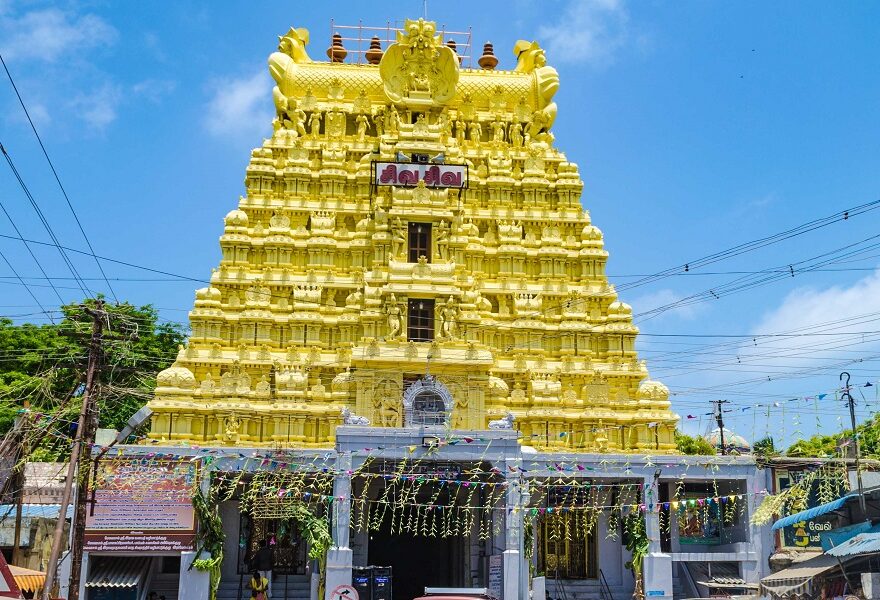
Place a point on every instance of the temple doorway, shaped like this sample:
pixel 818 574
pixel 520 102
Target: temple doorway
pixel 416 561
pixel 433 523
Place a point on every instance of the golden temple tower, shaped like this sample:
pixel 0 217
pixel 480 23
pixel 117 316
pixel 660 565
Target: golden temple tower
pixel 411 250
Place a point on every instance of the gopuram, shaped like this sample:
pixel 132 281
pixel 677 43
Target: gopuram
pixel 409 369
pixel 411 250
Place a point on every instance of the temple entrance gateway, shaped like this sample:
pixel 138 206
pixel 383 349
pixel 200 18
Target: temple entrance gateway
pixel 433 522
pixel 417 562
pixel 283 538
pixel 566 549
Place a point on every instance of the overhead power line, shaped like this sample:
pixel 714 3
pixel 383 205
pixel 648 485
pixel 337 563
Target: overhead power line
pixel 26 287
pixel 31 252
pixel 82 284
pixel 756 244
pixel 57 178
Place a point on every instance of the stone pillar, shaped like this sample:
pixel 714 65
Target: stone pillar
pixel 193 583
pixel 513 539
pixel 757 536
pixel 63 577
pixel 339 556
pixel 657 569
pixel 83 575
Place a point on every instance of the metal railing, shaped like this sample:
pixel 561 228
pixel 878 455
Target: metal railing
pixel 360 35
pixel 604 589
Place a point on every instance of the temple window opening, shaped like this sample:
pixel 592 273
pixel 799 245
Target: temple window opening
pixel 420 320
pixel 419 242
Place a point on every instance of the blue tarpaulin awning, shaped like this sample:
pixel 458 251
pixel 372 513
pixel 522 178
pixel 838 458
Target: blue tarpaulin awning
pixel 863 543
pixel 811 513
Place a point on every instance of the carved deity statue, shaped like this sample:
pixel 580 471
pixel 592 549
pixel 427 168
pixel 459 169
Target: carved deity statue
pixel 291 117
pixel 398 239
pixel 442 240
pixel 393 120
pixel 445 127
pixel 231 426
pixel 419 66
pixel 460 131
pixel 448 319
pixel 601 437
pixel 420 127
pixel 476 131
pixel 392 309
pixel 315 123
pixel 497 131
pixel 386 403
pixel 516 134
pixel 334 124
pixel 362 124
pixel 379 121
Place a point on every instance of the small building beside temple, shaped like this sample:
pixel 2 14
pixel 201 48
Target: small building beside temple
pixel 410 357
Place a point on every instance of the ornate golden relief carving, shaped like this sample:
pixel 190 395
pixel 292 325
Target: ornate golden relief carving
pixel 419 69
pixel 531 58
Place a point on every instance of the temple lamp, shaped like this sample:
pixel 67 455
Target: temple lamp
pixel 136 420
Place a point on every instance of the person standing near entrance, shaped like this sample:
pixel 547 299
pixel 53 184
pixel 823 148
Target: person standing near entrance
pixel 259 586
pixel 264 562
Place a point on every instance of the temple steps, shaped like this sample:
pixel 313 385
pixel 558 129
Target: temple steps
pixel 583 589
pixel 297 588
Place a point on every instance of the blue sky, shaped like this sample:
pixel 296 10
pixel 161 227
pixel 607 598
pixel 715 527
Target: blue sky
pixel 697 126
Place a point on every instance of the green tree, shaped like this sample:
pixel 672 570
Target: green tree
pixel 765 447
pixel 44 365
pixel 820 446
pixel 687 444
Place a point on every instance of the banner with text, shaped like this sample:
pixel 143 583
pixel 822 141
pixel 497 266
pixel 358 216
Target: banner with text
pixel 142 508
pixel 410 174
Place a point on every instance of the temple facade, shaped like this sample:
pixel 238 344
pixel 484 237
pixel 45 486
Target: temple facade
pixel 409 369
pixel 411 250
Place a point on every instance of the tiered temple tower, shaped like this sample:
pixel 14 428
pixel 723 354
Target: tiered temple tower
pixel 411 250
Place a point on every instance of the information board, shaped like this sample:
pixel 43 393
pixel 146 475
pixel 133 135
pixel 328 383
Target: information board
pixel 142 507
pixel 496 575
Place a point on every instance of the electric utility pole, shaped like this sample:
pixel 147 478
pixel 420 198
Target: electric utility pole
pixel 719 418
pixel 852 418
pixel 79 456
pixel 19 479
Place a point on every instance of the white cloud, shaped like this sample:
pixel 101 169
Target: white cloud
pixel 52 34
pixel 99 107
pixel 154 90
pixel 588 31
pixel 240 107
pixel 39 113
pixel 808 307
pixel 663 298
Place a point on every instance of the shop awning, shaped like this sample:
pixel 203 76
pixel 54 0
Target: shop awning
pixel 27 580
pixel 728 583
pixel 118 572
pixel 811 513
pixel 863 543
pixel 798 578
